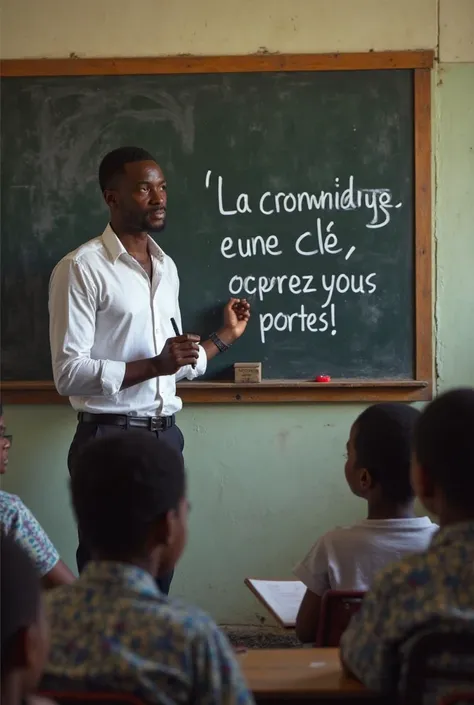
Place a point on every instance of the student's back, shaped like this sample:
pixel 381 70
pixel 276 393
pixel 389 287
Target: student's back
pixel 377 470
pixel 437 585
pixel 355 554
pixel 113 629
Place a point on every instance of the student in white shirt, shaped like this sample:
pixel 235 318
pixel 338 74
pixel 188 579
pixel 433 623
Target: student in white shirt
pixel 377 470
pixel 111 302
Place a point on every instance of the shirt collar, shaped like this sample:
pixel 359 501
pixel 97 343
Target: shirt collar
pixel 454 533
pixel 125 575
pixel 115 248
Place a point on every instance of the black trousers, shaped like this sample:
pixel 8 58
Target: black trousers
pixel 86 432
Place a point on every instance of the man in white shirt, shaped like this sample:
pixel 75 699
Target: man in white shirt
pixel 113 306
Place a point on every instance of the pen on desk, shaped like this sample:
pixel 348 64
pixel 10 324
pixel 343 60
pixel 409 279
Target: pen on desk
pixel 177 333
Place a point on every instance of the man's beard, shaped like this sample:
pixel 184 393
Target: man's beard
pixel 155 228
pixel 133 224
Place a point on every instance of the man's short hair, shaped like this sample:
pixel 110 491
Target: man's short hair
pixel 383 445
pixel 121 485
pixel 444 445
pixel 20 596
pixel 113 164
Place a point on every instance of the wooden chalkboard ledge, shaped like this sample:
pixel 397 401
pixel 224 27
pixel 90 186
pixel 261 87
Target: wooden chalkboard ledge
pixel 268 391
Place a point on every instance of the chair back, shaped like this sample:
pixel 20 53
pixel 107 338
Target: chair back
pixel 438 663
pixel 337 609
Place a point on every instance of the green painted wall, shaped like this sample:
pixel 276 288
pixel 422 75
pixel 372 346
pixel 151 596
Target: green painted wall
pixel 266 481
pixel 454 222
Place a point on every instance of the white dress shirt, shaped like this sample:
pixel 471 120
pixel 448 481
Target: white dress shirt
pixel 104 311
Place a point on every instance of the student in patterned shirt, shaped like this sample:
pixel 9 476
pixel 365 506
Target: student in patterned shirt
pixel 437 586
pixel 18 522
pixel 377 470
pixel 24 630
pixel 113 629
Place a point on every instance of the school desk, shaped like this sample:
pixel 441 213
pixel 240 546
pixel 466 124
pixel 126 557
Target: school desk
pixel 301 675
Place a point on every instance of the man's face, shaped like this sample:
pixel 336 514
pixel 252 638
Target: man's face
pixel 139 198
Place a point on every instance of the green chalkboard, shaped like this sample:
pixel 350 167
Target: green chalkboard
pixel 296 188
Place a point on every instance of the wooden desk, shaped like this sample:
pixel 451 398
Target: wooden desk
pixel 309 675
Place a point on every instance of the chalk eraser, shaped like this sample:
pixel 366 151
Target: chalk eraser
pixel 323 378
pixel 248 372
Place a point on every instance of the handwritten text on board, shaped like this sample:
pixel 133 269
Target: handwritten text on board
pixel 322 241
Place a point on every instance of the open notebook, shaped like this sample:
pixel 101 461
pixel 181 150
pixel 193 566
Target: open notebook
pixel 281 597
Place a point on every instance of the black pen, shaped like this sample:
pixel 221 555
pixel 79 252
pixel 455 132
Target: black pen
pixel 175 327
pixel 177 333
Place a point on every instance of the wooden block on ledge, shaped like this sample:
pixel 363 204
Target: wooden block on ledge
pixel 247 372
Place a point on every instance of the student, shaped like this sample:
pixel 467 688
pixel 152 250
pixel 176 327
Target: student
pixel 17 521
pixel 113 629
pixel 438 583
pixel 377 470
pixel 24 631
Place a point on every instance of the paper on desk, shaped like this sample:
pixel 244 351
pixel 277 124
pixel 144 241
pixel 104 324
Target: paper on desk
pixel 282 597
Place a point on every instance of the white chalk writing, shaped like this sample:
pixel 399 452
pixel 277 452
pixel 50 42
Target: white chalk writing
pixel 323 293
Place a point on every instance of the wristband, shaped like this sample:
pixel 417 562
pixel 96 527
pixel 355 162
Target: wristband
pixel 220 345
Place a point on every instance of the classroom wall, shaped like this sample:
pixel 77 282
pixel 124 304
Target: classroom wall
pixel 264 480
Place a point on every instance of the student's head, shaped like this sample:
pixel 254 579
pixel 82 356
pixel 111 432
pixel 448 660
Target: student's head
pixel 443 468
pixel 379 453
pixel 134 188
pixel 24 630
pixel 5 443
pixel 129 495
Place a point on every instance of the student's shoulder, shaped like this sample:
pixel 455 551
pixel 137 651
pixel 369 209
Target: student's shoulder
pixel 11 507
pixel 192 618
pixel 340 534
pixel 9 500
pixel 62 597
pixel 192 621
pixel 406 575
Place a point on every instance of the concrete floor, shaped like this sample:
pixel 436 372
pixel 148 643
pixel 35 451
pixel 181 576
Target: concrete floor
pixel 262 637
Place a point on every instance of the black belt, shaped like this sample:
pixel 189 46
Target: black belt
pixel 150 423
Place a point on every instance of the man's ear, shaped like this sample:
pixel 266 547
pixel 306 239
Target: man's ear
pixel 110 197
pixel 366 480
pixel 164 530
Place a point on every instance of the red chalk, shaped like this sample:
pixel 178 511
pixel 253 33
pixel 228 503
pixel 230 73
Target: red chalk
pixel 323 378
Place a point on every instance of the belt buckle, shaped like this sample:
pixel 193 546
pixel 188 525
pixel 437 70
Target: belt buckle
pixel 155 423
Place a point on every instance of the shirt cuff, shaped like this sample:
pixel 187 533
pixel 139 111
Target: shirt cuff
pixel 46 564
pixel 112 376
pixel 190 372
pixel 201 366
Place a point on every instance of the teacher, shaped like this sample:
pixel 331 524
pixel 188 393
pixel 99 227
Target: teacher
pixel 113 306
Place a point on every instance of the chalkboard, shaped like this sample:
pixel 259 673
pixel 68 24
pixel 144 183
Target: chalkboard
pixel 295 189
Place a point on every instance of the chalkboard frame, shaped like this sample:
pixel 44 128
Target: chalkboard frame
pixel 273 391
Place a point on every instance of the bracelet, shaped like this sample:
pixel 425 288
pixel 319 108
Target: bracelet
pixel 220 345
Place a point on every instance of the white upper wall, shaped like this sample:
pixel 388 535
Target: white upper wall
pixel 59 28
pixel 456 29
